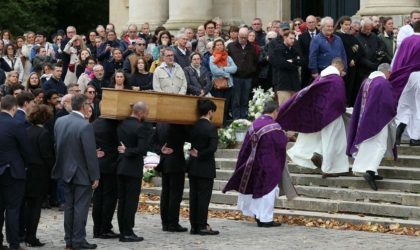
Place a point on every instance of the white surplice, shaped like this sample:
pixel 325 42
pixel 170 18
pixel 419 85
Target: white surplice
pixel 262 208
pixel 330 142
pixel 408 111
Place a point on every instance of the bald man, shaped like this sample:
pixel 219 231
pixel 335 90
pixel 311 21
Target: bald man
pixel 245 57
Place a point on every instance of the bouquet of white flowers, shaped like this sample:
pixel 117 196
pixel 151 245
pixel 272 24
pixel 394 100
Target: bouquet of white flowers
pixel 256 105
pixel 226 137
pixel 240 125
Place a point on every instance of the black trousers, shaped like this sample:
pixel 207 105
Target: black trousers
pixel 128 200
pixel 104 203
pixel 12 192
pixel 200 195
pixel 171 197
pixel 32 213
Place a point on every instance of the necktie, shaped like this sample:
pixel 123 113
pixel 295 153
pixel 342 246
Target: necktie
pixel 312 34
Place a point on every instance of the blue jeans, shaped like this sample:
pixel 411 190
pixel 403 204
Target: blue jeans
pixel 240 97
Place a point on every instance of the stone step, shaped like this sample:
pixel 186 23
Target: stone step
pixel 354 182
pixel 403 149
pixel 345 194
pixel 320 205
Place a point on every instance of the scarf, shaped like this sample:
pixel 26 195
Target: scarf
pixel 220 58
pixel 89 72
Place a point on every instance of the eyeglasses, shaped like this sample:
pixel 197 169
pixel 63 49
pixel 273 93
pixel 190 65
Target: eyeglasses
pixel 91 92
pixel 91 63
pixel 296 24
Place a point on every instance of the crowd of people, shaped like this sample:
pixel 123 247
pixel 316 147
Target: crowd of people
pixel 50 121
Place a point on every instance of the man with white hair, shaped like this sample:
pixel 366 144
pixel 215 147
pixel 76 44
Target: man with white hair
pixel 304 43
pixel 99 80
pixel 325 47
pixel 66 104
pixel 130 38
pixel 372 50
pixel 371 135
pixel 245 57
pixel 182 54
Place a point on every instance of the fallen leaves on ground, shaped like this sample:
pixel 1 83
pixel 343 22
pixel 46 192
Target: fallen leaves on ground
pixel 397 229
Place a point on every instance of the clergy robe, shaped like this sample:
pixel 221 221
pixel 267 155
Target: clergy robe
pixel 372 128
pixel 316 113
pixel 260 168
pixel 406 61
pixel 408 111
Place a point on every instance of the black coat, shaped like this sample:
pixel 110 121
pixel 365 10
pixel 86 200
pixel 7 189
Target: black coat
pixel 136 138
pixel 110 66
pixel 197 83
pixel 107 140
pixel 371 47
pixel 285 73
pixel 245 59
pixel 181 59
pixel 41 161
pixel 204 138
pixel 174 136
pixel 304 43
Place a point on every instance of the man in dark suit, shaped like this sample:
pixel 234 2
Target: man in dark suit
pixel 304 43
pixel 172 165
pixel 77 165
pixel 202 168
pixel 105 196
pixel 134 136
pixel 14 153
pixel 25 101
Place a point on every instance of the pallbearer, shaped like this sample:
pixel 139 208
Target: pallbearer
pixel 372 127
pixel 260 167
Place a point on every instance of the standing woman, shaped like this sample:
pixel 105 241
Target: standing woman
pixel 90 93
pixel 10 62
pixel 198 77
pixel 80 67
pixel 222 66
pixel 87 76
pixel 26 53
pixel 73 48
pixel 33 82
pixel 6 36
pixel 387 37
pixel 141 79
pixel 39 171
pixel 119 80
pixel 163 41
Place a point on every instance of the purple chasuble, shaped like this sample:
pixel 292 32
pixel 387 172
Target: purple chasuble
pixel 406 61
pixel 375 107
pixel 261 159
pixel 314 107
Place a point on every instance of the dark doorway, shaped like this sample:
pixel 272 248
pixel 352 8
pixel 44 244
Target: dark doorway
pixel 333 8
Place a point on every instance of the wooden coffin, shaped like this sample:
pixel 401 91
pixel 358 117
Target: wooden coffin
pixel 163 107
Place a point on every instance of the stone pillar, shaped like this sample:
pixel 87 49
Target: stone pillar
pixel 269 10
pixel 230 11
pixel 155 12
pixel 118 14
pixel 387 7
pixel 187 13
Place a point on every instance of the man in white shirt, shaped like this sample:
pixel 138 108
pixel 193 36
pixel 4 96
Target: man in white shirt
pixel 407 30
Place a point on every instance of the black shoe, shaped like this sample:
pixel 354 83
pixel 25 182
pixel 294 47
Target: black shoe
pixel 109 235
pixel 69 246
pixel 257 220
pixel 378 178
pixel 269 224
pixel 194 231
pixel 85 245
pixel 177 228
pixel 164 228
pixel 208 231
pixel 317 160
pixel 414 143
pixel 131 238
pixel 325 175
pixel 34 243
pixel 400 131
pixel 370 180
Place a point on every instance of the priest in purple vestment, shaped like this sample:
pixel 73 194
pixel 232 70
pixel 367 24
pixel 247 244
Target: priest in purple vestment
pixel 316 113
pixel 260 167
pixel 371 134
pixel 406 61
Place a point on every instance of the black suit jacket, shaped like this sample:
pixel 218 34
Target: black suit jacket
pixel 304 43
pixel 21 117
pixel 14 147
pixel 204 138
pixel 136 137
pixel 107 140
pixel 41 161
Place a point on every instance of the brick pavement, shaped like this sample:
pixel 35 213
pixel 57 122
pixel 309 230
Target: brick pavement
pixel 234 234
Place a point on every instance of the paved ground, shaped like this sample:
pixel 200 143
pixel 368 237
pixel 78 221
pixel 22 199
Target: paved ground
pixel 234 234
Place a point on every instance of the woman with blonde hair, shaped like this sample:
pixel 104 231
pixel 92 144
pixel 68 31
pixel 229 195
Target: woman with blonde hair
pixel 73 48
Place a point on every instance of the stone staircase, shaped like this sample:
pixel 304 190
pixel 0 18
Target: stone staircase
pixel 346 198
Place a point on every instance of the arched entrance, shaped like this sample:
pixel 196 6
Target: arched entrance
pixel 333 8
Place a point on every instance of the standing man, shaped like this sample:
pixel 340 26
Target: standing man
pixel 325 47
pixel 169 77
pixel 304 42
pixel 261 166
pixel 133 135
pixel 259 32
pixel 316 113
pixel 407 30
pixel 25 101
pixel 77 165
pixel 55 82
pixel 105 196
pixel 182 54
pixel 372 128
pixel 245 57
pixel 202 168
pixel 14 153
pixel 210 27
pixel 70 33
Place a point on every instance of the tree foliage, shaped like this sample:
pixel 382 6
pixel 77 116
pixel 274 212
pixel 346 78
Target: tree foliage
pixel 20 16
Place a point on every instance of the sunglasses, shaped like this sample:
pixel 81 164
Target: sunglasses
pixel 296 24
